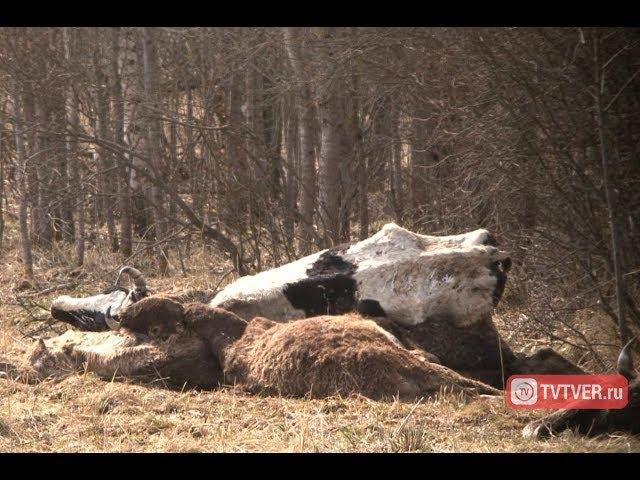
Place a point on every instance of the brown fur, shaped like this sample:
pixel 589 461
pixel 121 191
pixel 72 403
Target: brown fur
pixel 475 351
pixel 545 361
pixel 156 316
pixel 192 295
pixel 326 355
pixel 181 360
pixel 317 356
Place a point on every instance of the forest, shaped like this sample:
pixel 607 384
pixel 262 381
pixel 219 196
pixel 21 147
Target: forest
pixel 173 149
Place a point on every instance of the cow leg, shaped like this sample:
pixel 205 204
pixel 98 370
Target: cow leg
pixel 586 421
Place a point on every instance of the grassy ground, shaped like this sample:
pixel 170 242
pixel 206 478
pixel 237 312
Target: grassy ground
pixel 83 413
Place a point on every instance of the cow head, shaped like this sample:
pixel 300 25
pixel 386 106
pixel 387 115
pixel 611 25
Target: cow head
pixel 594 422
pixel 89 313
pixel 157 316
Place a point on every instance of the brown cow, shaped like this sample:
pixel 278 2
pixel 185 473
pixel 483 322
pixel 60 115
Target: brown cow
pixel 317 356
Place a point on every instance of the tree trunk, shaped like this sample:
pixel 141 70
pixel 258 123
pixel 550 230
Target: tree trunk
pixel 25 241
pixel 105 158
pixel 238 168
pixel 292 155
pixel 332 154
pixel 197 196
pixel 306 127
pixel 2 154
pixel 36 184
pixel 63 202
pixel 76 179
pixel 131 64
pixel 75 174
pixel 154 139
pixel 420 198
pixel 360 159
pixel 610 192
pixel 123 172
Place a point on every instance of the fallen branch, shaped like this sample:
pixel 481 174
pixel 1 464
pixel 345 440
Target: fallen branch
pixel 55 288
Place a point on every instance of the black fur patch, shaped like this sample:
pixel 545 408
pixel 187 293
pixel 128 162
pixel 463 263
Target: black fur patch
pixel 329 288
pixel 92 321
pixel 490 240
pixel 332 262
pixel 322 295
pixel 370 308
pixel 499 270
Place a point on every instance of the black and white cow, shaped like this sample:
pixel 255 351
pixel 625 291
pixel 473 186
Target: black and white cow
pixel 89 313
pixel 404 275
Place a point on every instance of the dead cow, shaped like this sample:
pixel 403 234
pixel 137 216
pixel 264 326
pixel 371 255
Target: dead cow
pixel 318 356
pixel 179 361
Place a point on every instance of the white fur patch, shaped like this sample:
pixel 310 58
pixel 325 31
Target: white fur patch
pixel 96 303
pixel 105 353
pixel 416 276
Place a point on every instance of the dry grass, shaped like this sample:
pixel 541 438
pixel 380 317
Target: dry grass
pixel 83 413
pixel 86 414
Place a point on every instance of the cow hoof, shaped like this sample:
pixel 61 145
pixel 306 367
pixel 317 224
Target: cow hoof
pixel 538 429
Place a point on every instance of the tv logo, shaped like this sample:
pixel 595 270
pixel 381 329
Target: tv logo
pixel 524 391
pixel 595 391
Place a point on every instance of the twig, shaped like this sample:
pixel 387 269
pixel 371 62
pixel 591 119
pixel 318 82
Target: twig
pixel 49 290
pixel 406 419
pixel 222 279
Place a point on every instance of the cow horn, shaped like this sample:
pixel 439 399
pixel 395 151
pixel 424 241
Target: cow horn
pixel 112 323
pixel 135 275
pixel 625 362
